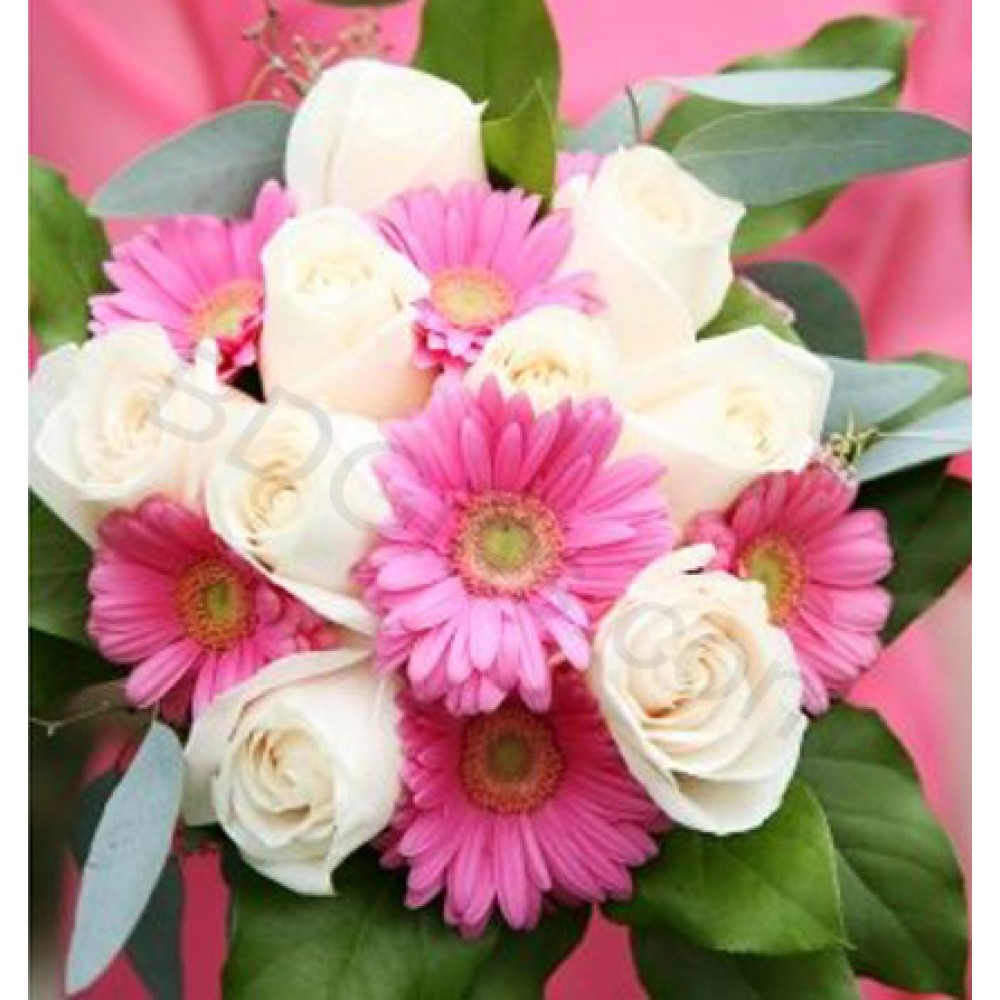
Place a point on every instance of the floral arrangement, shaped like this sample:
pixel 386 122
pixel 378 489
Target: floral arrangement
pixel 481 545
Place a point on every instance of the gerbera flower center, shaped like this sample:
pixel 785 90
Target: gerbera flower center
pixel 221 313
pixel 507 544
pixel 214 604
pixel 472 297
pixel 510 761
pixel 774 562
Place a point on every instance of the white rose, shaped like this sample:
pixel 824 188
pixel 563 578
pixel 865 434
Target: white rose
pixel 300 765
pixel 723 413
pixel 337 316
pixel 551 354
pixel 298 497
pixel 369 130
pixel 701 693
pixel 121 417
pixel 658 241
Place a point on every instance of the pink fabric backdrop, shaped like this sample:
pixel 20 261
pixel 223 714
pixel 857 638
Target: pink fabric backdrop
pixel 108 77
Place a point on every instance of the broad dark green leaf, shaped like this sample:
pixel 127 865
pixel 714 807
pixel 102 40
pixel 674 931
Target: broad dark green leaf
pixel 126 858
pixel 58 669
pixel 154 947
pixel 902 889
pixel 826 317
pixel 521 148
pixel 772 891
pixel 66 250
pixel 494 50
pixel 672 968
pixel 365 943
pixel 768 157
pixel 58 565
pixel 847 43
pixel 214 168
pixel 743 306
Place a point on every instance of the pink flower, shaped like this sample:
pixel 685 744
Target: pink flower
pixel 509 809
pixel 583 164
pixel 820 562
pixel 189 615
pixel 509 534
pixel 197 276
pixel 488 259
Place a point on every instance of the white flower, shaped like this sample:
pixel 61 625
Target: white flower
pixel 299 765
pixel 552 353
pixel 337 320
pixel 369 130
pixel 297 496
pixel 723 413
pixel 701 693
pixel 658 241
pixel 122 417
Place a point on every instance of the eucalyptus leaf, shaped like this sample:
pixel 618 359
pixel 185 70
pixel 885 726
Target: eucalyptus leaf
pixel 495 50
pixel 214 168
pixel 616 124
pixel 67 248
pixel 866 393
pixel 765 87
pixel 901 886
pixel 940 434
pixel 127 857
pixel 772 891
pixel 521 149
pixel 672 968
pixel 154 947
pixel 826 317
pixel 767 157
pixel 746 305
pixel 58 670
pixel 954 385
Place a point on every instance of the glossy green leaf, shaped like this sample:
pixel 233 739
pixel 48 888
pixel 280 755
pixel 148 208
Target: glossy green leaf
pixel 365 943
pixel 216 167
pixel 521 149
pixel 495 50
pixel 826 317
pixel 66 250
pixel 746 305
pixel 672 968
pixel 768 157
pixel 866 393
pixel 902 889
pixel 768 87
pixel 622 122
pixel 126 858
pixel 849 43
pixel 772 891
pixel 154 947
pixel 58 670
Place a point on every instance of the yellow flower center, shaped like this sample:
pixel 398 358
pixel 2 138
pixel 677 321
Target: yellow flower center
pixel 214 604
pixel 773 561
pixel 220 314
pixel 472 297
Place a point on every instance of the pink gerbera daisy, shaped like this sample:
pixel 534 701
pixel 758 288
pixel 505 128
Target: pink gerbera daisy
pixel 488 258
pixel 507 809
pixel 820 562
pixel 509 533
pixel 197 277
pixel 169 599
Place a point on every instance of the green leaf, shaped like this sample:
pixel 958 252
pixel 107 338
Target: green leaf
pixel 768 157
pixel 865 393
pixel 215 167
pixel 154 947
pixel 127 856
pixel 953 386
pixel 521 148
pixel 674 969
pixel 58 565
pixel 366 943
pixel 769 87
pixel 901 885
pixel 744 306
pixel 66 250
pixel 849 43
pixel 826 317
pixel 58 669
pixel 772 891
pixel 616 125
pixel 494 50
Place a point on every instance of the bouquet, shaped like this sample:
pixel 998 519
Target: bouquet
pixel 478 544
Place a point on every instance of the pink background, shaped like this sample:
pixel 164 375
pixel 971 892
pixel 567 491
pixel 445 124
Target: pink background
pixel 109 77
